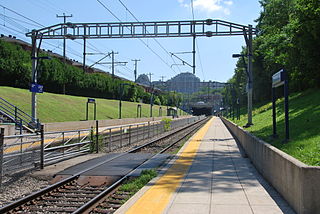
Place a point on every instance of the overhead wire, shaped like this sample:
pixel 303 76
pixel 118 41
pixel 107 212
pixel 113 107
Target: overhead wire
pixel 161 46
pixel 198 50
pixel 104 6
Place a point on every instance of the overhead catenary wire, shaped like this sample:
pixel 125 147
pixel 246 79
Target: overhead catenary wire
pixel 104 6
pixel 198 50
pixel 161 46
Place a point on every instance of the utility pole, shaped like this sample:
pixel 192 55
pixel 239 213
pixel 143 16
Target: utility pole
pixel 194 54
pixel 64 16
pixel 250 79
pixel 162 78
pixel 34 53
pixel 112 62
pixel 135 67
pixel 150 74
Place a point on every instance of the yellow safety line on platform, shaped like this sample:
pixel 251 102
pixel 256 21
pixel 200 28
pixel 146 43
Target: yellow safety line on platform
pixel 156 199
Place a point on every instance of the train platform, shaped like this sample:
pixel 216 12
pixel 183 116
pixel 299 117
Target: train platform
pixel 209 175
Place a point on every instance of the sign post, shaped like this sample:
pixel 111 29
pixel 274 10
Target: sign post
pixel 278 79
pixel 91 100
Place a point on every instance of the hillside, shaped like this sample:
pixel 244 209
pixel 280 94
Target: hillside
pixel 60 108
pixel 304 117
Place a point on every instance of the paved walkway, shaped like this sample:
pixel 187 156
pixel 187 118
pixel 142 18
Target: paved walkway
pixel 219 181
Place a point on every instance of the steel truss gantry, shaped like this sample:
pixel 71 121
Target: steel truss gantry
pixel 155 29
pixel 152 29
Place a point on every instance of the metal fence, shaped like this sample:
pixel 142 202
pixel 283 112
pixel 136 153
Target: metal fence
pixel 39 149
pixel 114 138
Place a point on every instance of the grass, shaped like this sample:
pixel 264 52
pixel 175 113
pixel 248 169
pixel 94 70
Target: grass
pixel 134 185
pixel 304 117
pixel 60 108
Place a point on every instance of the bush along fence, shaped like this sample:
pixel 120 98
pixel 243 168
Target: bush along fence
pixel 30 151
pixel 294 180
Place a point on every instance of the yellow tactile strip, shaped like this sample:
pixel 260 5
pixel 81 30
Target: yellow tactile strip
pixel 158 196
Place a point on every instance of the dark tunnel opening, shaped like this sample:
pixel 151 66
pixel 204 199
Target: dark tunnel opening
pixel 201 111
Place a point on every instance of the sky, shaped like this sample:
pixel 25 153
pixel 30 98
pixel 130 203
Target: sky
pixel 213 55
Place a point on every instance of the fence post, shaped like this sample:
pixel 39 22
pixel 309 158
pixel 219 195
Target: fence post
pixel 110 139
pixel 129 134
pixel 97 136
pixel 121 136
pixel 1 153
pixel 148 129
pixel 42 148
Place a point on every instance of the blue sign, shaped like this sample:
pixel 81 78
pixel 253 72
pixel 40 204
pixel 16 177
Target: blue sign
pixel 278 78
pixel 36 88
pixel 91 100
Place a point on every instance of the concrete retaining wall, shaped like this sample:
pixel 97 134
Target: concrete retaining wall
pixel 298 183
pixel 75 125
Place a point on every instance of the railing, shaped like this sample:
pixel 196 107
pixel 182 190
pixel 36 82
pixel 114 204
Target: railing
pixel 36 150
pixel 39 149
pixel 117 137
pixel 19 117
pixel 63 145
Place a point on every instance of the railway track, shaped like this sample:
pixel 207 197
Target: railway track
pixel 71 196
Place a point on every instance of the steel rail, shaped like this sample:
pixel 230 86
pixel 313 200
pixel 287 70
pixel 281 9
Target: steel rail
pixel 89 205
pixel 39 193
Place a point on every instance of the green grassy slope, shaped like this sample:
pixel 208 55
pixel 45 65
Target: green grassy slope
pixel 60 108
pixel 304 123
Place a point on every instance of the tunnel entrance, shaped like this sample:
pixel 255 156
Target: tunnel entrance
pixel 201 111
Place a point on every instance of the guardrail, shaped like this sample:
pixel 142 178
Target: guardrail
pixel 19 117
pixel 36 150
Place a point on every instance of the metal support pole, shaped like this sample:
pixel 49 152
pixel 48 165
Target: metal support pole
pixel 274 113
pixel 95 111
pixel 112 63
pixel 129 134
pixel 120 106
pixel 97 136
pixel 110 139
pixel 34 76
pixel 286 106
pixel 121 136
pixel 84 55
pixel 87 109
pixel 42 147
pixel 148 129
pixel 135 68
pixel 250 79
pixel 194 55
pixel 1 154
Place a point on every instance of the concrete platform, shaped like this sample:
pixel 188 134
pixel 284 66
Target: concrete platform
pixel 210 176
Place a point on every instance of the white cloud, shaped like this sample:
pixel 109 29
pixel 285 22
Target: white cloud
pixel 227 2
pixel 209 6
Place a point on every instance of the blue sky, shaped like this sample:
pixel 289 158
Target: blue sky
pixel 213 62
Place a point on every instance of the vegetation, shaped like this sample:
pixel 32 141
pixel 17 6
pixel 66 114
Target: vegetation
pixel 304 115
pixel 288 37
pixel 134 185
pixel 57 77
pixel 167 123
pixel 60 108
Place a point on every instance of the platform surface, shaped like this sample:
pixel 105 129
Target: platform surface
pixel 210 176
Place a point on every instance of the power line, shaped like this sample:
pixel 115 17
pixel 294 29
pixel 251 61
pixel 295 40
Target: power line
pixel 163 48
pixel 138 38
pixel 21 15
pixel 198 50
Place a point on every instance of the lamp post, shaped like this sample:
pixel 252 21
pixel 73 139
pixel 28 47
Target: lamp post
pixel 248 70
